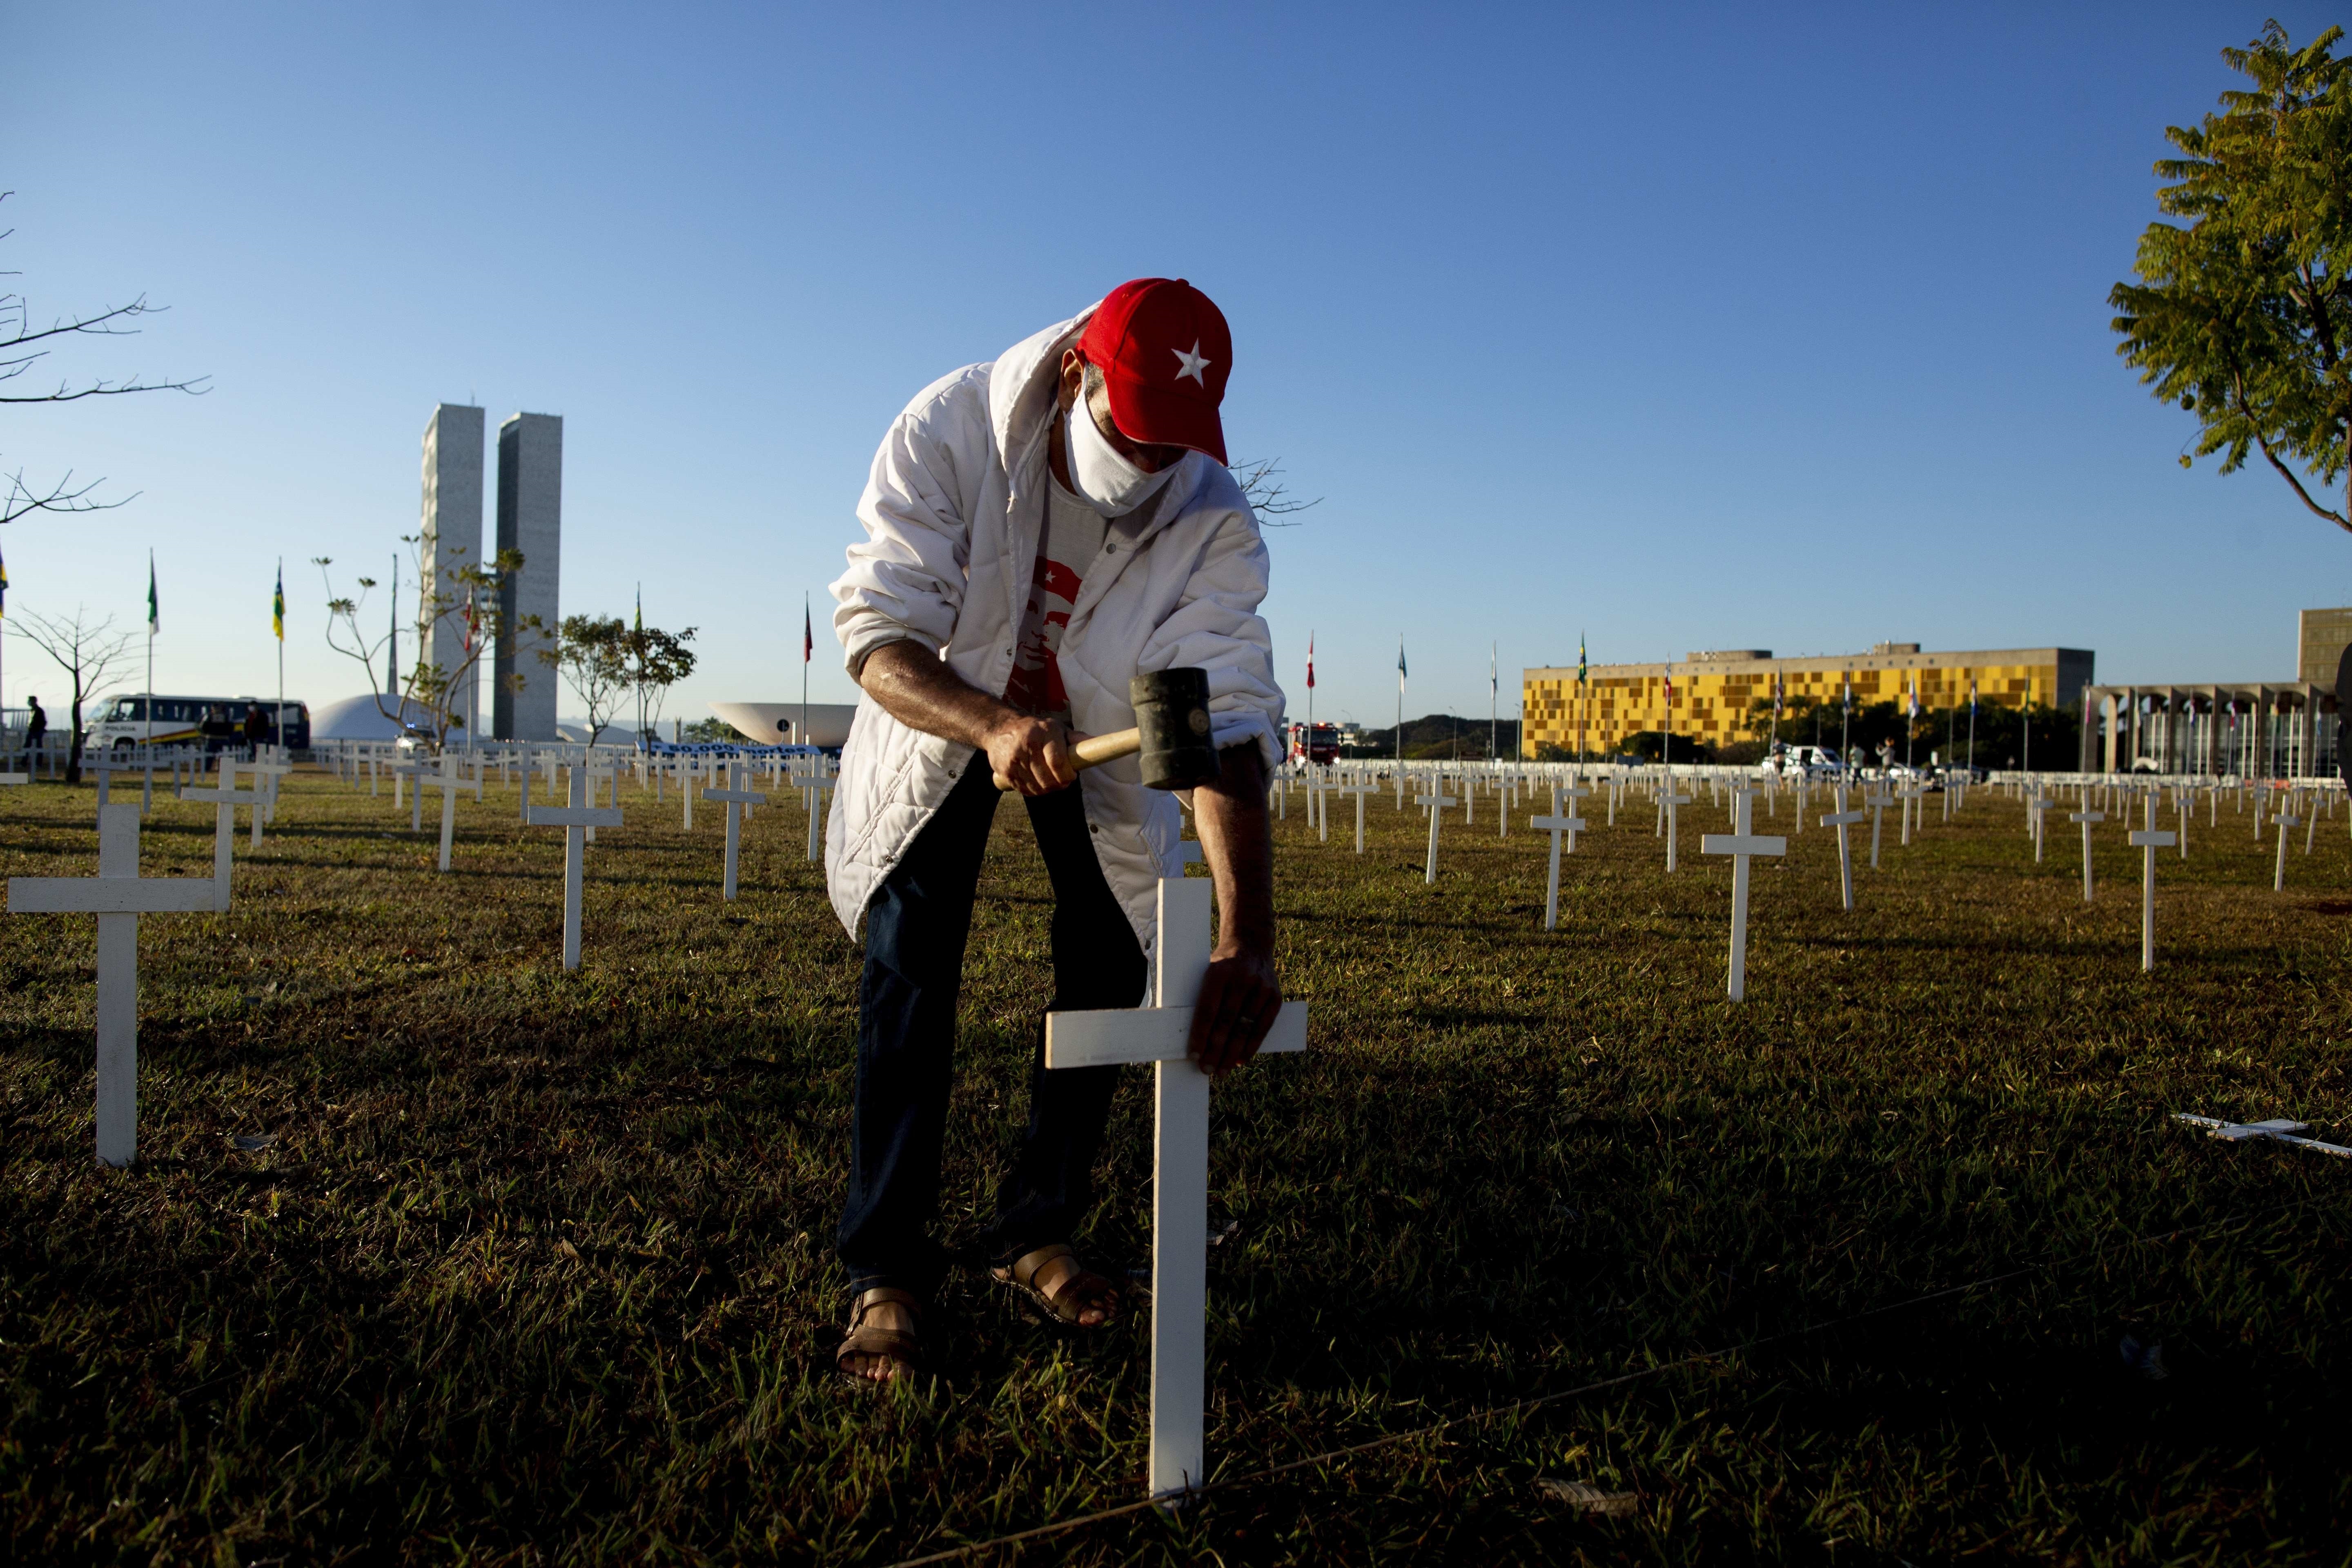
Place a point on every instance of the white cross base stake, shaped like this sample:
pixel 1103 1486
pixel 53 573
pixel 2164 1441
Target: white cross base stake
pixel 118 896
pixel 2087 818
pixel 576 820
pixel 1742 845
pixel 1843 821
pixel 1179 1173
pixel 1671 804
pixel 1437 804
pixel 2148 842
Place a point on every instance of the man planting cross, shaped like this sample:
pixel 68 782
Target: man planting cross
pixel 1039 531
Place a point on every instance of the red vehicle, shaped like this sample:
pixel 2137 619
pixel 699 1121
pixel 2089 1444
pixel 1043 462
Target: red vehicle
pixel 1316 743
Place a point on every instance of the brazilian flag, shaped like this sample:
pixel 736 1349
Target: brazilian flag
pixel 277 605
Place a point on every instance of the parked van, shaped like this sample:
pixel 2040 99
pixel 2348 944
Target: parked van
pixel 160 720
pixel 1809 762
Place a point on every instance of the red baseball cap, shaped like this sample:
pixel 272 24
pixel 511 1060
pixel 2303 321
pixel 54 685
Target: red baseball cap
pixel 1164 351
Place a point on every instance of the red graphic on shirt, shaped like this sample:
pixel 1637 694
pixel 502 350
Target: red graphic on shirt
pixel 1036 683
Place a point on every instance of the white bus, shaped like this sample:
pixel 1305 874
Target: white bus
pixel 157 720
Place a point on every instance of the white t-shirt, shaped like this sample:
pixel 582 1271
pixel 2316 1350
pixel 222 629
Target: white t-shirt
pixel 1071 538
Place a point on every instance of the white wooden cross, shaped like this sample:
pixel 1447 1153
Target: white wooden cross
pixel 1669 803
pixel 1359 791
pixel 225 800
pixel 737 799
pixel 266 775
pixel 1180 1175
pixel 2281 1131
pixel 2148 841
pixel 2279 824
pixel 1743 844
pixel 1557 824
pixel 118 896
pixel 2087 818
pixel 404 772
pixel 576 820
pixel 447 782
pixel 1913 797
pixel 1843 820
pixel 1437 804
pixel 812 788
pixel 1878 804
pixel 2035 808
pixel 598 772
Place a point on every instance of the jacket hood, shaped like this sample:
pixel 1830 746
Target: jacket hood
pixel 1020 386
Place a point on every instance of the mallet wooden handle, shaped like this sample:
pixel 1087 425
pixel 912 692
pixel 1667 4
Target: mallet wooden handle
pixel 1095 750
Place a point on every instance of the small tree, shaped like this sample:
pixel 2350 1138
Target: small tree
pixel 86 650
pixel 466 595
pixel 463 595
pixel 591 653
pixel 657 661
pixel 2241 316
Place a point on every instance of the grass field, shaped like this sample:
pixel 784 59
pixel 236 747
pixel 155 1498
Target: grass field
pixel 538 1267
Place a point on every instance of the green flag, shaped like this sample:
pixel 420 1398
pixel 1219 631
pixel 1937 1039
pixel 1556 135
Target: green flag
pixel 154 620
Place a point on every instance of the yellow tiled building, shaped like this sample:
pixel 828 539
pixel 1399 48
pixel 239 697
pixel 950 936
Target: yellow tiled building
pixel 1713 692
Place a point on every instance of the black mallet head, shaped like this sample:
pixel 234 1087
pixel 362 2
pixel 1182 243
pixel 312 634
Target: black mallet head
pixel 1172 713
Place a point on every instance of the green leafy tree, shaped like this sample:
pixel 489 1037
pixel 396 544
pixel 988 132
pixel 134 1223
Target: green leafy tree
pixel 657 661
pixel 2241 314
pixel 592 654
pixel 604 661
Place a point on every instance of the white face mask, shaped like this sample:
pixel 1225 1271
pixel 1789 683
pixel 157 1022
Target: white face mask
pixel 1100 475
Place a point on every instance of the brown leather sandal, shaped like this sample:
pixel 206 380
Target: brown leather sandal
pixel 898 1348
pixel 1056 1284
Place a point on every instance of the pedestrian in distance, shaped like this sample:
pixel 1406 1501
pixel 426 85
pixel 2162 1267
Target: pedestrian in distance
pixel 36 727
pixel 1039 531
pixel 257 731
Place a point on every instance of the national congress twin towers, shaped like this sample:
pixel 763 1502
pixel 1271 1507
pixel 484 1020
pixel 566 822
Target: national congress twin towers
pixel 530 519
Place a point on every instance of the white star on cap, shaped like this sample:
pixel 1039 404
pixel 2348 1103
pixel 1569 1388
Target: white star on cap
pixel 1193 364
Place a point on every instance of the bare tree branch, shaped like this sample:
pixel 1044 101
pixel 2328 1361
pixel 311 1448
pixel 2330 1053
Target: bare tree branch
pixel 1267 496
pixel 18 498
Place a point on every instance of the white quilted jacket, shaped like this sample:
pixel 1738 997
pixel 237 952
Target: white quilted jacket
pixel 951 512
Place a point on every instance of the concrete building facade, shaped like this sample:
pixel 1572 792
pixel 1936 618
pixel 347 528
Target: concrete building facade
pixel 531 521
pixel 2320 638
pixel 2252 729
pixel 1715 691
pixel 451 543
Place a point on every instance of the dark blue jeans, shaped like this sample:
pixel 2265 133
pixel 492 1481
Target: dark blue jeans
pixel 915 932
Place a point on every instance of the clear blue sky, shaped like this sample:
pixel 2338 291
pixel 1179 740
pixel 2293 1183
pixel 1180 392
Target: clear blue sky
pixel 1690 328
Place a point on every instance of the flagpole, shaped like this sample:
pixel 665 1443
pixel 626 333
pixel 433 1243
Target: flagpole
pixel 1310 694
pixel 1493 695
pixel 147 734
pixel 279 727
pixel 1400 732
pixel 808 637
